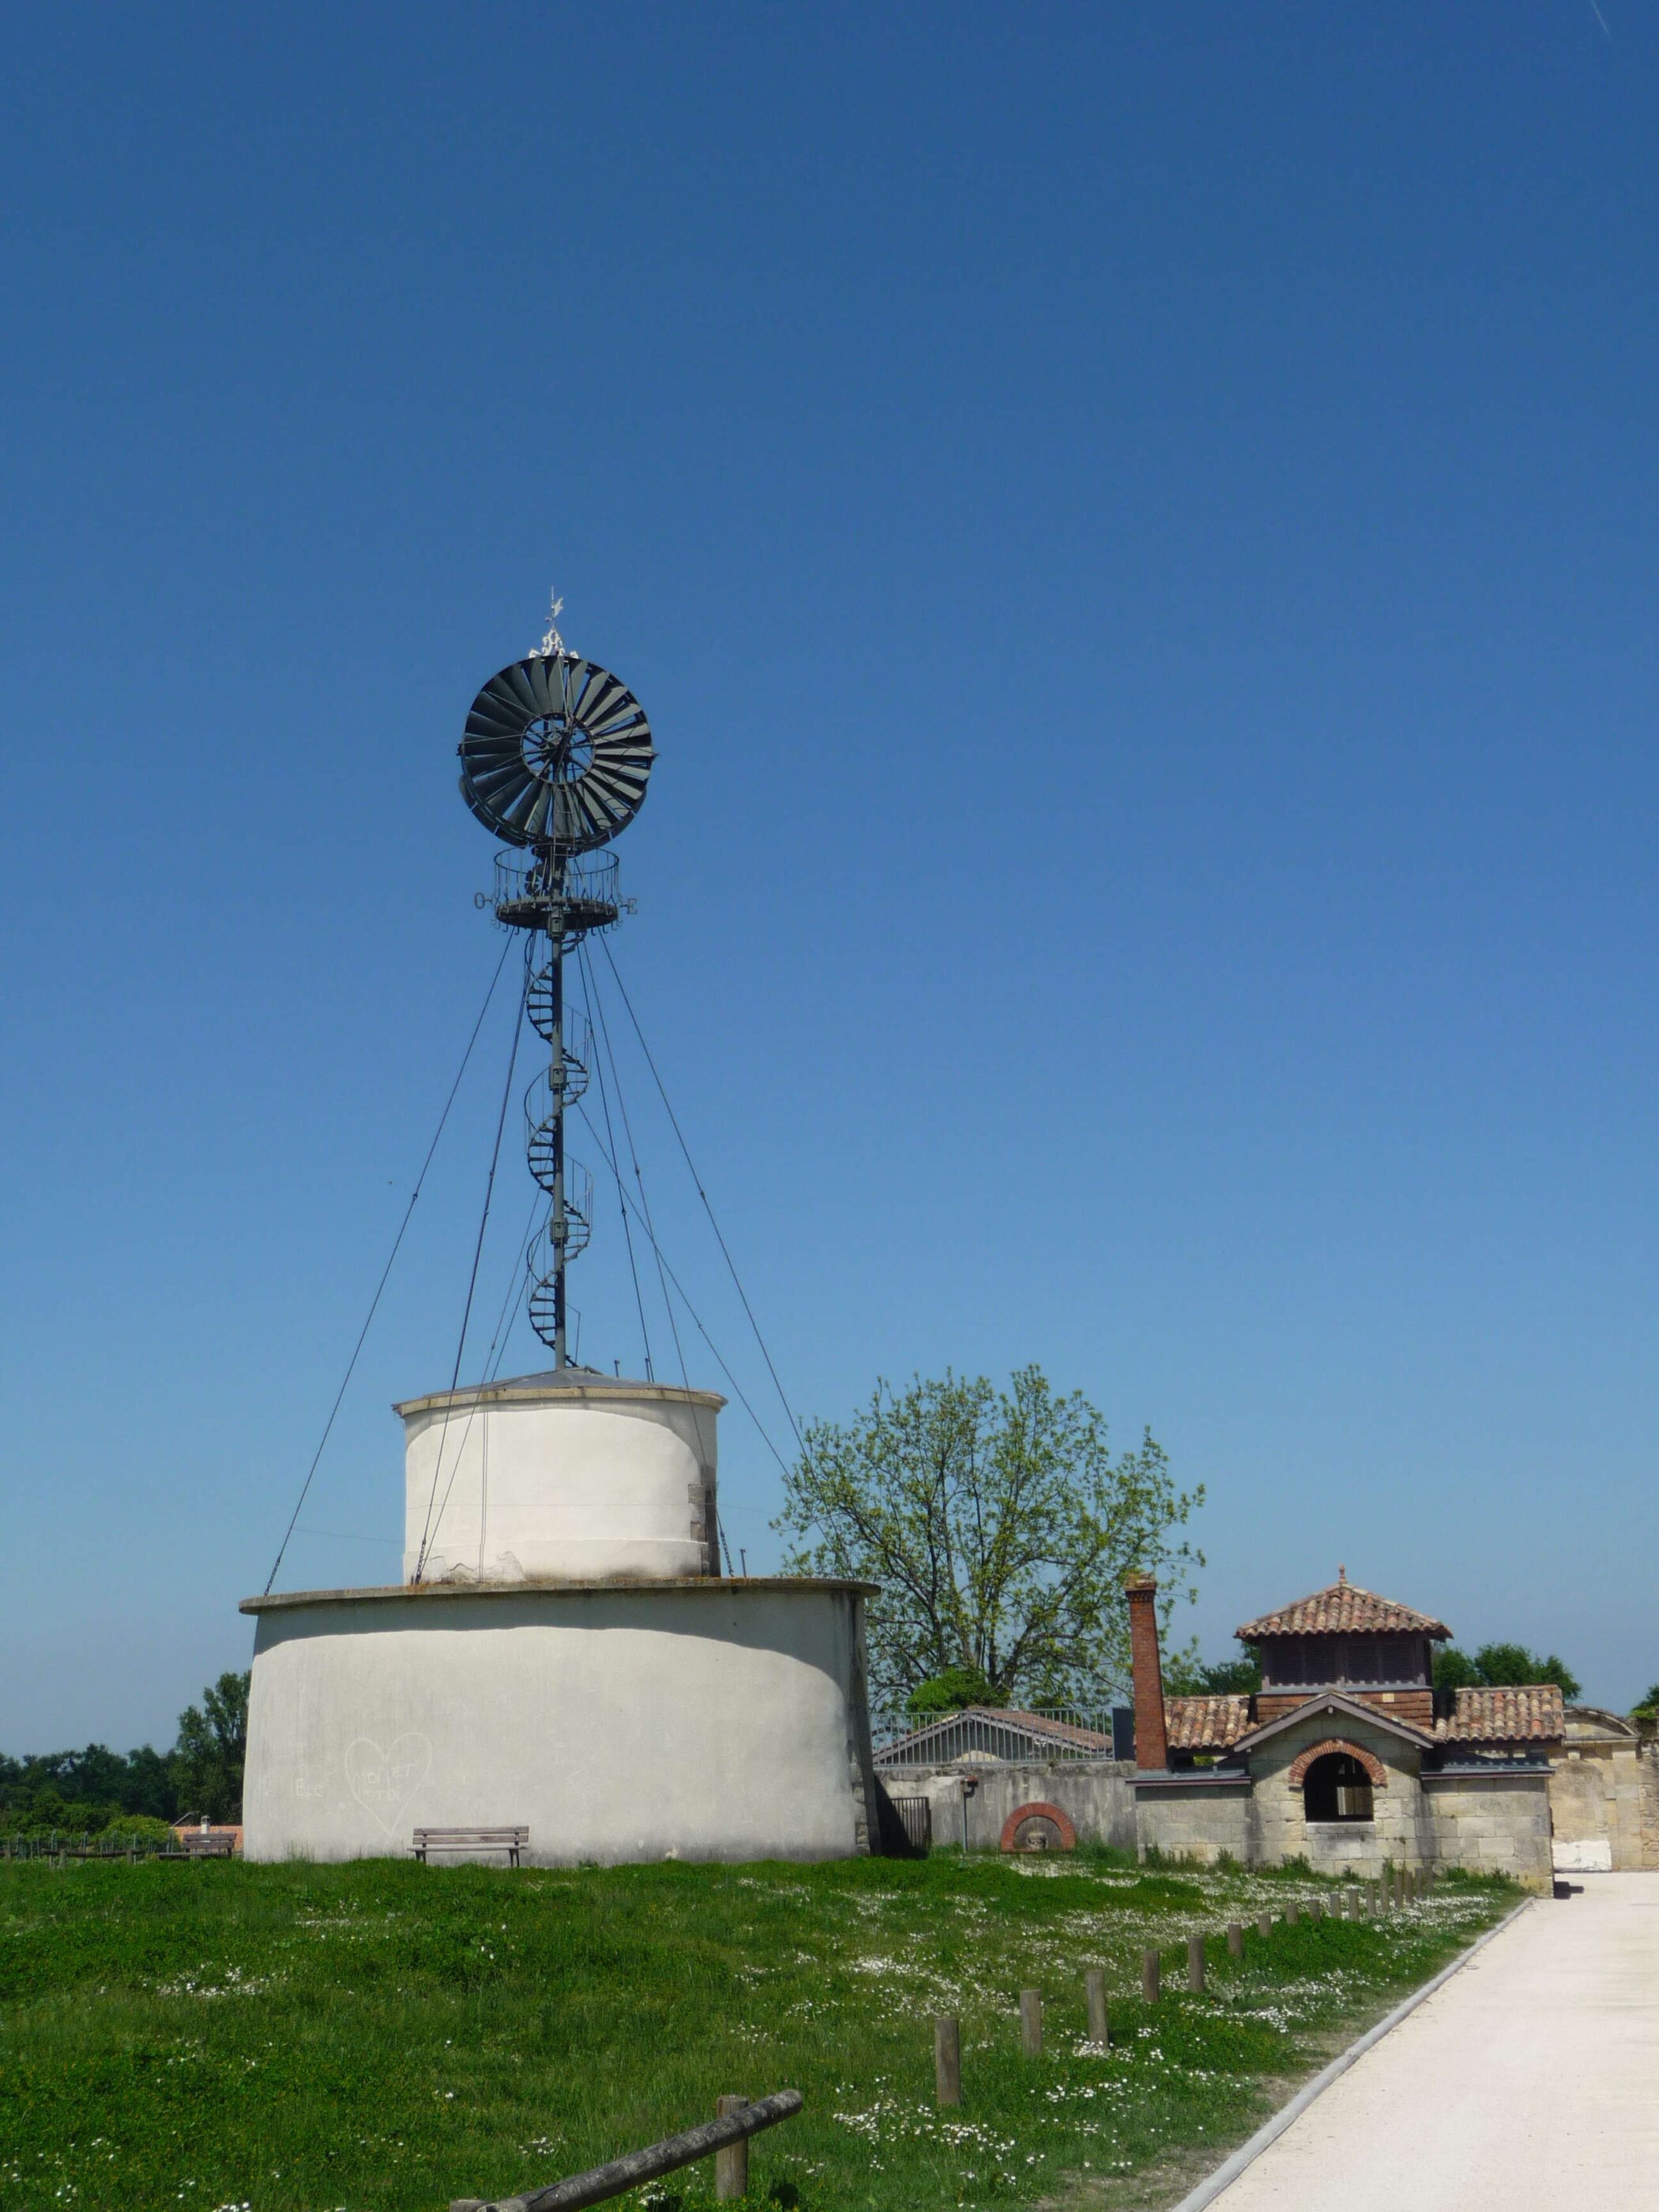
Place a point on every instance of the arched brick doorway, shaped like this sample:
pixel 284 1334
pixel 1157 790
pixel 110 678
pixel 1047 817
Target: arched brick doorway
pixel 1337 1780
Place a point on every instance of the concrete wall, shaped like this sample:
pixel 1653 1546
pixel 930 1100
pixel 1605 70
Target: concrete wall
pixel 540 1480
pixel 1095 1795
pixel 708 1719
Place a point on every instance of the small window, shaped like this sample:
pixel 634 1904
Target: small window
pixel 1337 1788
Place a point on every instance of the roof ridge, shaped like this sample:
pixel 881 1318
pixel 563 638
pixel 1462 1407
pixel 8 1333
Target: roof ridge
pixel 1342 1607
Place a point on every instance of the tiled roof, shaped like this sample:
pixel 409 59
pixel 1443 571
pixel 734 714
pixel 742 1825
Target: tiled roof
pixel 1048 1727
pixel 1535 1714
pixel 1343 1609
pixel 1205 1724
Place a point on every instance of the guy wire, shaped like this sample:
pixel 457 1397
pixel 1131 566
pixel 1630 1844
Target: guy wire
pixel 512 1286
pixel 374 1302
pixel 477 1253
pixel 604 1101
pixel 633 1153
pixel 737 1386
pixel 703 1195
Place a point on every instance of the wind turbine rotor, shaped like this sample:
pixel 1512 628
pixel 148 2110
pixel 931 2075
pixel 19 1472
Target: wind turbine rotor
pixel 555 755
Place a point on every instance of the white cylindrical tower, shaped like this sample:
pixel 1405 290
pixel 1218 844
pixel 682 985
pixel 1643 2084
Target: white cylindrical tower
pixel 560 1477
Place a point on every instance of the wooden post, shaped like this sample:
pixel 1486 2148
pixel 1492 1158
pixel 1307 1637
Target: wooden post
pixel 1031 2022
pixel 688 2148
pixel 1264 1926
pixel 947 2059
pixel 1235 1940
pixel 731 2164
pixel 1094 1989
pixel 1149 1975
pixel 1195 1963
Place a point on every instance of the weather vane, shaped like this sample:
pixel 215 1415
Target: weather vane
pixel 552 646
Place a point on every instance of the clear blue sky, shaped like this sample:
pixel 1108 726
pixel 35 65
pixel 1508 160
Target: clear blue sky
pixel 1136 530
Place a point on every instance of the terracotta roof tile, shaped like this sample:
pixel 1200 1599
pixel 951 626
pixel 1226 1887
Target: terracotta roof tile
pixel 1342 1609
pixel 1533 1714
pixel 1205 1724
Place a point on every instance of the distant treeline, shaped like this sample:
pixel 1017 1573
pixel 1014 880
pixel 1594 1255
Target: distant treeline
pixel 97 1791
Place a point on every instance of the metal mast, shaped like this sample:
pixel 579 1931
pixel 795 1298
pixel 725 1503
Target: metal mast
pixel 555 758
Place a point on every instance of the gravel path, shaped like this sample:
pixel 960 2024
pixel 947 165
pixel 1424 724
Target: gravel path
pixel 1530 2080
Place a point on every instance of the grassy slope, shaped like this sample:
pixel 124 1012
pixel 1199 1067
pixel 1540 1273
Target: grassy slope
pixel 386 2036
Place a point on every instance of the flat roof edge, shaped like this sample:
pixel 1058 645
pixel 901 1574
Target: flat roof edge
pixel 1195 1777
pixel 535 1389
pixel 436 1593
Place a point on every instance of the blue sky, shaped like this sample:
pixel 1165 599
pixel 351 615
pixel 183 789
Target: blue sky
pixel 1136 533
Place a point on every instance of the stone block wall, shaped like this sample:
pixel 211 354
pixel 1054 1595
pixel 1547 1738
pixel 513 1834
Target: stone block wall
pixel 1493 1824
pixel 1609 1792
pixel 1197 1821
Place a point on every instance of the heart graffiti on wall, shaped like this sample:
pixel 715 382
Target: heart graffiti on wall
pixel 383 1782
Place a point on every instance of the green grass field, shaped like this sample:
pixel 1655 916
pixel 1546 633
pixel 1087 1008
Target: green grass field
pixel 384 2037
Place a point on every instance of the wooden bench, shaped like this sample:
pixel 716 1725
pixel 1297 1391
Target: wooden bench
pixel 198 1846
pixel 510 1840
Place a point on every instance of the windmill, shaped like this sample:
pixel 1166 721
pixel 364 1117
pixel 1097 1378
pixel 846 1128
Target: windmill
pixel 555 760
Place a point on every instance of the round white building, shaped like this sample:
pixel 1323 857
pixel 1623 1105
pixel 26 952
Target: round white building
pixel 563 1654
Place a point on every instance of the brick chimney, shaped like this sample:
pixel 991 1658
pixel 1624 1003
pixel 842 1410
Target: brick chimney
pixel 1152 1744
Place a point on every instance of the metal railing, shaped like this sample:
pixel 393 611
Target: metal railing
pixel 986 1736
pixel 589 894
pixel 61 1844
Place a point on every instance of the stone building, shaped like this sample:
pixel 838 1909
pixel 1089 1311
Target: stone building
pixel 1343 1756
pixel 1604 1794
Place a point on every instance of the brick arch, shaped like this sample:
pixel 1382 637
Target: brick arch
pixel 1369 1760
pixel 1038 1809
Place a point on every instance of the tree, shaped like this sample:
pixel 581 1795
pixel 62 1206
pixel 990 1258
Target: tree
pixel 1502 1666
pixel 1185 1675
pixel 951 1691
pixel 998 1526
pixel 212 1749
pixel 1456 1670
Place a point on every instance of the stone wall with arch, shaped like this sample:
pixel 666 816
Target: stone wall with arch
pixel 1375 1769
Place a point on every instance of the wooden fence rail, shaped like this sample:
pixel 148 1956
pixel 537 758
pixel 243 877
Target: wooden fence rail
pixel 625 2173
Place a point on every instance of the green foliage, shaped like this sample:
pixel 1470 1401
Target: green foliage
pixel 389 2035
pixel 1649 1703
pixel 1501 1667
pixel 1185 1675
pixel 97 1792
pixel 212 1748
pixel 953 1690
pixel 1456 1670
pixel 998 1526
